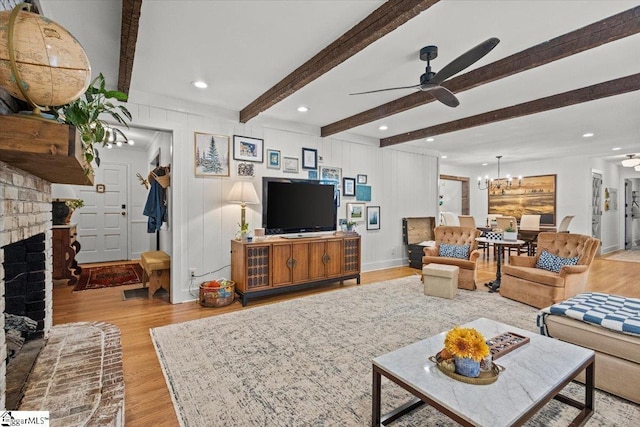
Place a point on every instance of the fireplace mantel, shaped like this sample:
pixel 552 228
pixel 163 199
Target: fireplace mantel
pixel 51 151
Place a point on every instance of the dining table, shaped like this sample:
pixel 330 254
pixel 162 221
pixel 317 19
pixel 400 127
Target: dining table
pixel 530 236
pixel 494 285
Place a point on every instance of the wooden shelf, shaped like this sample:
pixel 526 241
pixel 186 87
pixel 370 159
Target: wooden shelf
pixel 49 150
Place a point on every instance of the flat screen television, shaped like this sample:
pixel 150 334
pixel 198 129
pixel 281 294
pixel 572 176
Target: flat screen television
pixel 297 206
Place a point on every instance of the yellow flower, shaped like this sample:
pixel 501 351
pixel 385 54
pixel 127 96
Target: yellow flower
pixel 466 342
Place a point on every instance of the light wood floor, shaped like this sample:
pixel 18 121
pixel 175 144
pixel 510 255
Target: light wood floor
pixel 147 397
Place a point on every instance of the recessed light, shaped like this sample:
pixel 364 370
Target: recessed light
pixel 485 164
pixel 616 149
pixel 303 109
pixel 200 84
pixel 383 127
pixel 430 139
pixel 587 135
pixel 444 157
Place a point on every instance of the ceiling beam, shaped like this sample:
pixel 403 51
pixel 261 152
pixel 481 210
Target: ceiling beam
pixel 589 93
pixel 128 39
pixel 607 30
pixel 379 23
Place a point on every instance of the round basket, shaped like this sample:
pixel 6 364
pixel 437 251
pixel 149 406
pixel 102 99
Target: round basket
pixel 217 297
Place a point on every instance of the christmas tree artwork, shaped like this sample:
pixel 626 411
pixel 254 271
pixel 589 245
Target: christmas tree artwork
pixel 211 162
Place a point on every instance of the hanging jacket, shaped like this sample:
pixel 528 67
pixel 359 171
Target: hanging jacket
pixel 155 208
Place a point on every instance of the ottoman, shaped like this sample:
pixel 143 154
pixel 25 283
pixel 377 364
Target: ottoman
pixel 440 280
pixel 156 269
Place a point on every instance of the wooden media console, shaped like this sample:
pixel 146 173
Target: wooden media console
pixel 275 265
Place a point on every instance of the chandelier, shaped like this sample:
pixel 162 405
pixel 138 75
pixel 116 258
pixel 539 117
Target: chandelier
pixel 498 183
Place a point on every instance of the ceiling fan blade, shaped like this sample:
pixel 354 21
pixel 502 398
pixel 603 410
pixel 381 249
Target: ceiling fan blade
pixel 464 60
pixel 383 90
pixel 442 94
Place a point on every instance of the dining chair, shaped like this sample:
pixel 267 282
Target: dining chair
pixel 449 218
pixel 505 222
pixel 564 224
pixel 531 222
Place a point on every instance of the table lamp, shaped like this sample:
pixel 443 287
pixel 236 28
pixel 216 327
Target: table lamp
pixel 243 192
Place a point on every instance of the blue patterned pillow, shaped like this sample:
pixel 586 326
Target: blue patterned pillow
pixel 454 251
pixel 551 262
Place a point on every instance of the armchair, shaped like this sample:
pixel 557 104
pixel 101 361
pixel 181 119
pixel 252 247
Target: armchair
pixel 453 235
pixel 523 281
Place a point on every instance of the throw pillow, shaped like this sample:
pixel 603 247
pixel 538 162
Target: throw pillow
pixel 454 251
pixel 551 262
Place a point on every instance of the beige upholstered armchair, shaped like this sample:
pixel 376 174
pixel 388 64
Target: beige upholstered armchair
pixel 460 237
pixel 530 279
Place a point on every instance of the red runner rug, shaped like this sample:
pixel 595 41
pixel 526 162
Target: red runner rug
pixel 108 276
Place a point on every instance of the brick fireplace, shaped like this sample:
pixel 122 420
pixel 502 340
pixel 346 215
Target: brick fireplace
pixel 25 216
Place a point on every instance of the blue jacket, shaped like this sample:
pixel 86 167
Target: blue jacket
pixel 155 208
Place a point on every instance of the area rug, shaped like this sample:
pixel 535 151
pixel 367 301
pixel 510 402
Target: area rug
pixel 630 255
pixel 108 276
pixel 307 361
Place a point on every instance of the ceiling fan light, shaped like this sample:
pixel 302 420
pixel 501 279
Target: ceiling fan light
pixel 637 168
pixel 631 162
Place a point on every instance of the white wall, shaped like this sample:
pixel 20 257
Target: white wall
pixel 203 223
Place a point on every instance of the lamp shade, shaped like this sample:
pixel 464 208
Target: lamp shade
pixel 243 192
pixel 62 192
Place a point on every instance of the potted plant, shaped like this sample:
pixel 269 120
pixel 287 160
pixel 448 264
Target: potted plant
pixel 84 113
pixel 467 347
pixel 510 232
pixel 73 204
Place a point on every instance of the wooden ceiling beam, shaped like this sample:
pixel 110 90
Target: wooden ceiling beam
pixel 379 23
pixel 604 31
pixel 589 93
pixel 128 39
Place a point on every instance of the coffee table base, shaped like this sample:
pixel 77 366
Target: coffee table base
pixel 586 408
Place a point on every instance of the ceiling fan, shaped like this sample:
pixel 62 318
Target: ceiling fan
pixel 430 81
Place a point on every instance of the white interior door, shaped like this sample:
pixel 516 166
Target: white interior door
pixel 102 223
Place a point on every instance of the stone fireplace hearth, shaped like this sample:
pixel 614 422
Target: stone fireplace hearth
pixel 25 212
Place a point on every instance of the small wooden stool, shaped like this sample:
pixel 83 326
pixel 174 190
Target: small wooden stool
pixel 440 280
pixel 156 270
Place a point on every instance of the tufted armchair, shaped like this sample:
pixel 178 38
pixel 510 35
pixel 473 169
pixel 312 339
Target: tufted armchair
pixel 525 279
pixel 456 236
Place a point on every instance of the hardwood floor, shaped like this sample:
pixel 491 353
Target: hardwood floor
pixel 147 397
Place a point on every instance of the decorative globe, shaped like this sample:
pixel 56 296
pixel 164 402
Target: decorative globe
pixel 52 65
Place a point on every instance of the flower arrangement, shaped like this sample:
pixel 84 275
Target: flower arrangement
pixel 465 343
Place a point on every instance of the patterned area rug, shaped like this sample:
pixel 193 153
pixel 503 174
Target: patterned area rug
pixel 108 276
pixel 631 255
pixel 307 361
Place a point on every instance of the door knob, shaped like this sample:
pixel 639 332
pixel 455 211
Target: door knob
pixel 123 213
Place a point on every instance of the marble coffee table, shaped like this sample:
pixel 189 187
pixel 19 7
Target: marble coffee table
pixel 535 373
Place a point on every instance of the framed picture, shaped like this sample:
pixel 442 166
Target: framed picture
pixel 535 195
pixel 248 149
pixel 330 173
pixel 337 198
pixel 211 154
pixel 363 193
pixel 349 186
pixel 309 158
pixel 290 164
pixel 355 212
pixel 373 217
pixel 245 169
pixel 362 179
pixel 273 159
pixel 313 174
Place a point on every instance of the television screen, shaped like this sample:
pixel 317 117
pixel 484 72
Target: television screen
pixel 297 206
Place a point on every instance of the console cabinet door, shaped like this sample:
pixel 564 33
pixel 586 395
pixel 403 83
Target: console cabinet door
pixel 282 263
pixel 300 265
pixel 351 255
pixel 316 264
pixel 334 260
